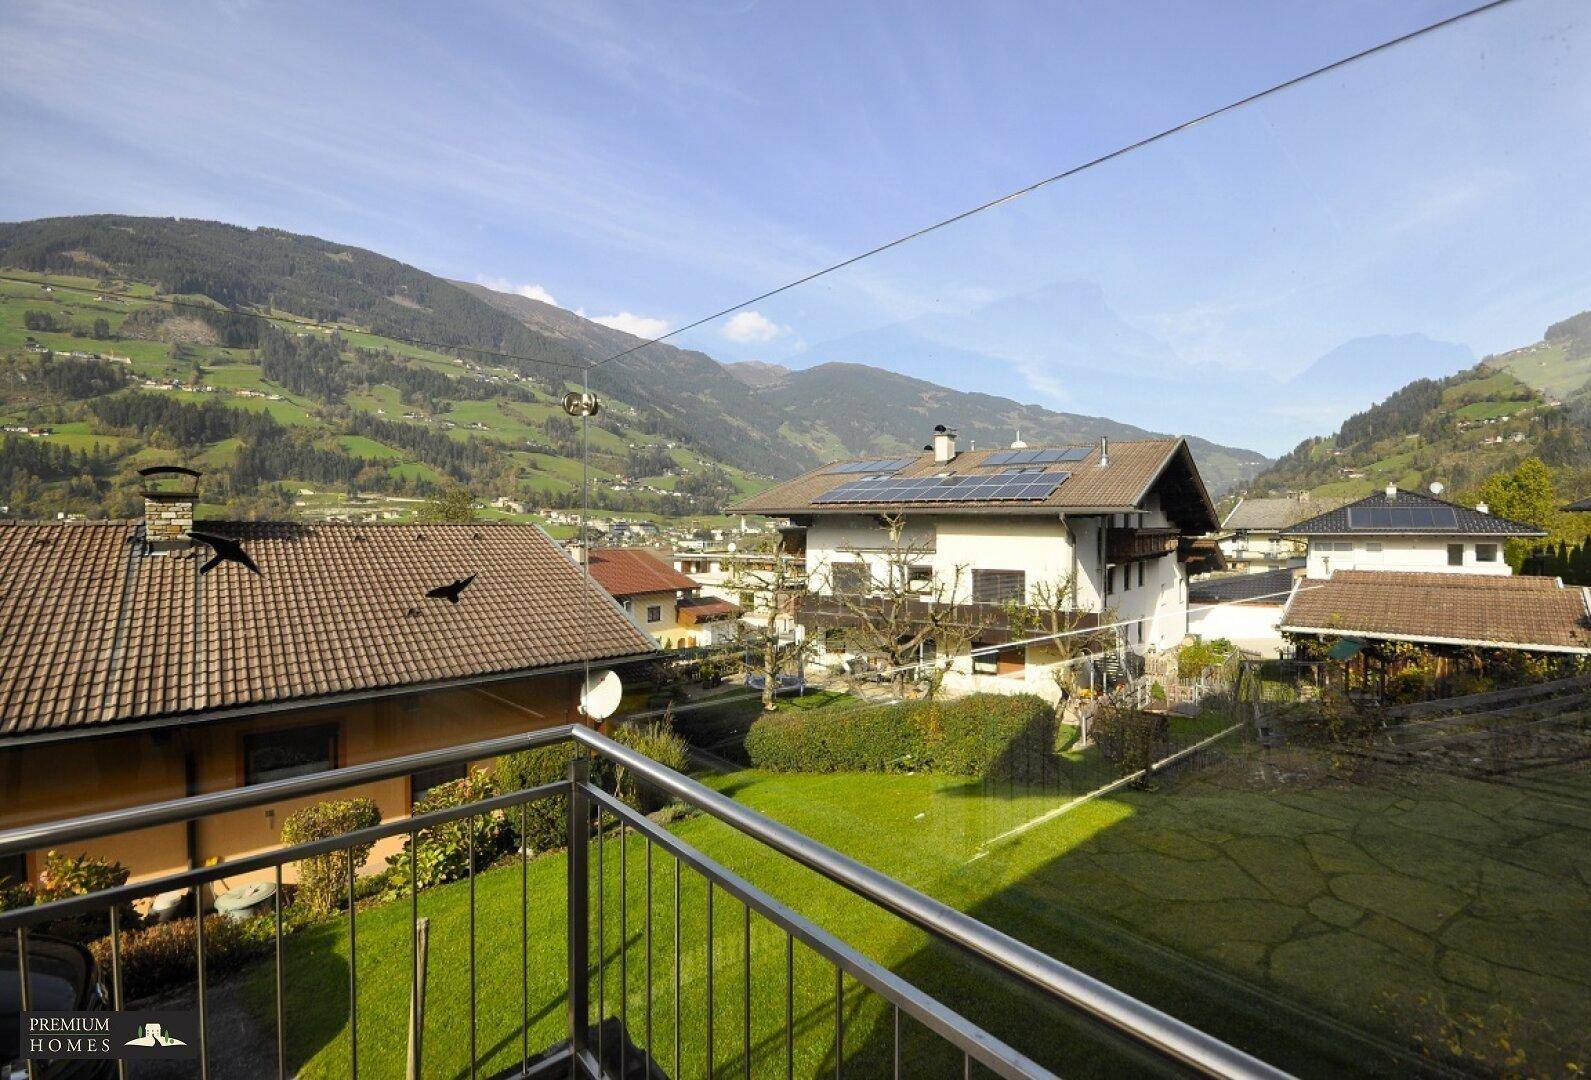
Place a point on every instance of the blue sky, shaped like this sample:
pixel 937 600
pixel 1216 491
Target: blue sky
pixel 646 164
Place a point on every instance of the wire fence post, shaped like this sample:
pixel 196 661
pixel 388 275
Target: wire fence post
pixel 579 905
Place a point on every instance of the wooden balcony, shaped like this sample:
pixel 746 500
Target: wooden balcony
pixel 1135 545
pixel 991 623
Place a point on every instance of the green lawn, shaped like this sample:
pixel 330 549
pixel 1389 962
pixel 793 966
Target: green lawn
pixel 1330 927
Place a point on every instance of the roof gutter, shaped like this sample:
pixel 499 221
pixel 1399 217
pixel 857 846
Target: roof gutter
pixel 242 712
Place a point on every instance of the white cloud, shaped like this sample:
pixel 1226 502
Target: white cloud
pixel 641 326
pixel 530 289
pixel 750 326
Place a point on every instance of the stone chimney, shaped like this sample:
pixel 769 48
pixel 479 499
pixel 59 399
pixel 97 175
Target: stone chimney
pixel 944 444
pixel 170 494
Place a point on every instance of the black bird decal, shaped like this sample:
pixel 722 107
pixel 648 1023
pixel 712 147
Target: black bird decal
pixel 451 593
pixel 226 550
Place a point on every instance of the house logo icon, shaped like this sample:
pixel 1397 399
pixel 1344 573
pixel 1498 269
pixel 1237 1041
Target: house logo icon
pixel 153 1034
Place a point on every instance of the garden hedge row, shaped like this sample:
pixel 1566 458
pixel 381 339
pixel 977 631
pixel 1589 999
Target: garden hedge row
pixel 984 735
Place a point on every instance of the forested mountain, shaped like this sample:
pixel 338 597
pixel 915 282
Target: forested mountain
pixel 103 372
pixel 1530 402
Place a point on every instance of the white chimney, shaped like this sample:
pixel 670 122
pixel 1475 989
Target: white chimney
pixel 1104 451
pixel 1483 508
pixel 944 444
pixel 1392 491
pixel 577 552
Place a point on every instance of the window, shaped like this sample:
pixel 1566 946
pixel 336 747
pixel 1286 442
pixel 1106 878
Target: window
pixel 654 613
pixel 747 601
pixel 1485 552
pixel 919 575
pixel 998 586
pixel 834 640
pixel 1140 575
pixel 1110 580
pixel 1373 546
pixel 421 783
pixel 13 870
pixel 1455 554
pixel 277 755
pixel 990 660
pixel 851 579
pixel 628 605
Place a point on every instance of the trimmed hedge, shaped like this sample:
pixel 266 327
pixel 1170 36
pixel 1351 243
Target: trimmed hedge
pixel 984 735
pixel 323 880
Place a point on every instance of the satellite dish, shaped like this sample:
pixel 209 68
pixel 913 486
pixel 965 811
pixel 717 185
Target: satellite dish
pixel 601 695
pixel 1436 487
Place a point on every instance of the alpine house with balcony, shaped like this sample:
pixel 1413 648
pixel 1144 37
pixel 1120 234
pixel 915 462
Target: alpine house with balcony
pixel 1095 529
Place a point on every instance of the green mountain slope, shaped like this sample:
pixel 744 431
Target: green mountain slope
pixel 1531 402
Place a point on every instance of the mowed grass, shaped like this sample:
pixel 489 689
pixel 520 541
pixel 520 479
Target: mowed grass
pixel 1330 929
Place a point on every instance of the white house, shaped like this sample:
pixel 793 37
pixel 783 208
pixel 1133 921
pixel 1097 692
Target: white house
pixel 1252 537
pixel 1107 526
pixel 1408 531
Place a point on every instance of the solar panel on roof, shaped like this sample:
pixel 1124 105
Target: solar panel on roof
pixel 1037 457
pixel 872 465
pixel 1402 517
pixel 975 487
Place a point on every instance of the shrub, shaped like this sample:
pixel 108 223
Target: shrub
pixel 880 738
pixel 66 876
pixel 999 736
pixel 323 880
pixel 546 821
pixel 996 735
pixel 1129 738
pixel 161 957
pixel 443 853
pixel 1195 656
pixel 657 741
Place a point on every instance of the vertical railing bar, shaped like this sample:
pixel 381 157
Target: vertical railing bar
pixel 648 956
pixel 353 975
pixel 198 942
pixel 579 893
pixel 839 1021
pixel 966 1065
pixel 789 1005
pixel 469 824
pixel 281 984
pixel 116 975
pixel 709 978
pixel 624 946
pixel 25 998
pixel 524 939
pixel 602 940
pixel 676 968
pixel 745 1014
pixel 897 1042
pixel 416 1017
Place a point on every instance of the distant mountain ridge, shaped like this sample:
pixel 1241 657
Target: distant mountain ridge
pixel 753 418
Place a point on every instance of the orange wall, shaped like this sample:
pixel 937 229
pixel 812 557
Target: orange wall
pixel 59 780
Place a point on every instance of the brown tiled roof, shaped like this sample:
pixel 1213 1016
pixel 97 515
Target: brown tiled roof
pixel 1120 485
pixel 697 609
pixel 1478 609
pixel 96 629
pixel 632 572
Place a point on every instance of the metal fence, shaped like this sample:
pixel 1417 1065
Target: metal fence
pixel 615 1033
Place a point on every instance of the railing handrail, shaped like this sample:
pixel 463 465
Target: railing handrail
pixel 1142 1023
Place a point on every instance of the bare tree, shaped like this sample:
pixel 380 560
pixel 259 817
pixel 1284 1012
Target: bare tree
pixel 1051 610
pixel 774 586
pixel 896 607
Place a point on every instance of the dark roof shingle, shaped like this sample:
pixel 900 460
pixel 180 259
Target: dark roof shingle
pixel 1483 609
pixel 97 629
pixel 1349 520
pixel 1272 585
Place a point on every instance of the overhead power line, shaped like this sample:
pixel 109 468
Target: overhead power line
pixel 1073 171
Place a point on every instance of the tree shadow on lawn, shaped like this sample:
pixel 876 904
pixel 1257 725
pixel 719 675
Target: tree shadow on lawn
pixel 1329 929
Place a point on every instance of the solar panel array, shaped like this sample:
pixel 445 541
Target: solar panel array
pixel 1038 457
pixel 964 487
pixel 875 465
pixel 1402 517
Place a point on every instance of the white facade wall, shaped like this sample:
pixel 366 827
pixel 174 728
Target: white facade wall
pixel 1426 554
pixel 1252 627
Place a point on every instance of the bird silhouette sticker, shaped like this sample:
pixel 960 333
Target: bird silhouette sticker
pixel 226 550
pixel 451 593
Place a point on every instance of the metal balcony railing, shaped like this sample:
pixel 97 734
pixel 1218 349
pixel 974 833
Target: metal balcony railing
pixel 602 1041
